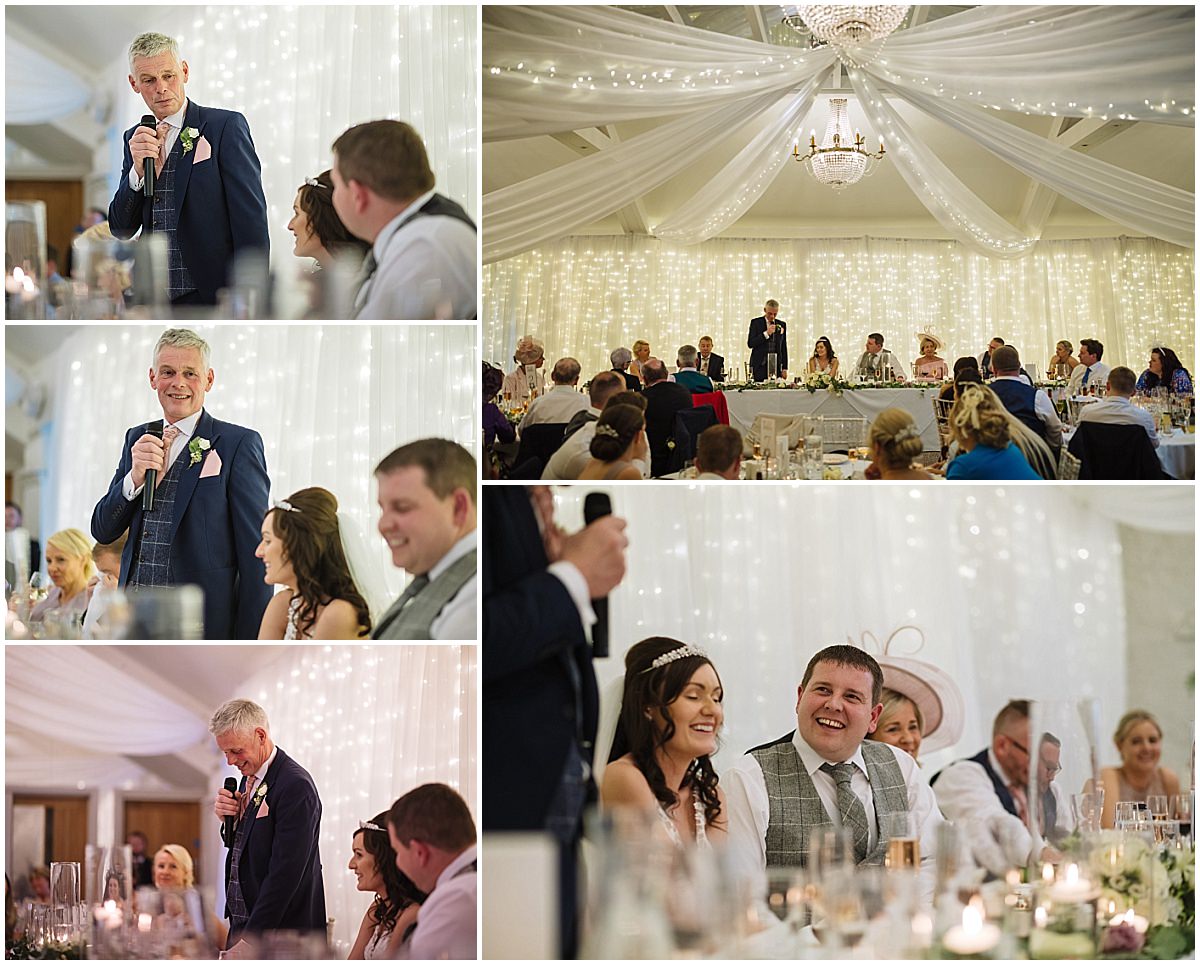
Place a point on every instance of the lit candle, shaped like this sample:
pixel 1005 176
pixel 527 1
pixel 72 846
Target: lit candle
pixel 1072 888
pixel 144 922
pixel 974 936
pixel 1139 923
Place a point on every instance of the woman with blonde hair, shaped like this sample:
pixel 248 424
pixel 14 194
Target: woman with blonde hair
pixel 641 355
pixel 894 442
pixel 174 871
pixel 69 563
pixel 1139 741
pixel 994 444
pixel 1062 362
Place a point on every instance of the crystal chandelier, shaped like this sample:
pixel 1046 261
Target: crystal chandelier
pixel 838 162
pixel 851 25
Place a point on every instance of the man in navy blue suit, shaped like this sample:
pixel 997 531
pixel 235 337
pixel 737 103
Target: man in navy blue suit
pixel 273 868
pixel 767 335
pixel 208 197
pixel 210 499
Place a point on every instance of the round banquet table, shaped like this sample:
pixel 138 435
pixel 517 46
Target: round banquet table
pixel 1177 453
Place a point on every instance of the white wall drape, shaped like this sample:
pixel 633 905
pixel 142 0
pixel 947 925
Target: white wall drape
pixel 578 67
pixel 763 577
pixel 329 401
pixel 303 74
pixel 585 296
pixel 37 90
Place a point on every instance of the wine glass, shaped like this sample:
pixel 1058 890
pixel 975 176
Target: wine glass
pixel 1181 806
pixel 1125 815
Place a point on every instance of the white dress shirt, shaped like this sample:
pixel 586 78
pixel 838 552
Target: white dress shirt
pixel 186 427
pixel 560 404
pixel 176 122
pixel 1044 409
pixel 573 455
pixel 1118 410
pixel 750 809
pixel 1099 376
pixel 426 268
pixel 457 619
pixel 446 922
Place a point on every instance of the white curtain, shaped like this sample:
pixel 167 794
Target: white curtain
pixel 36 89
pixel 586 296
pixel 579 67
pixel 763 577
pixel 369 723
pixel 303 74
pixel 329 401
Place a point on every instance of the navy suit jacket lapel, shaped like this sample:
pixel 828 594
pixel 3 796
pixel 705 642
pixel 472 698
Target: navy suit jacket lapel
pixel 183 167
pixel 268 779
pixel 190 475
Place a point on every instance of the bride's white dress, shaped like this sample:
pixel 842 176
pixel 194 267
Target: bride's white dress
pixel 673 831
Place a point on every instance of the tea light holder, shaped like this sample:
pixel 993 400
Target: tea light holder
pixel 1065 917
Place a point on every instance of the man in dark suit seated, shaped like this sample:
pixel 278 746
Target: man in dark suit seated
pixel 208 198
pixel 687 375
pixel 273 869
pixel 710 363
pixel 663 400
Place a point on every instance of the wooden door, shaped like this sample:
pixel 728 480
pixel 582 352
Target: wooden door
pixel 64 208
pixel 166 822
pixel 66 825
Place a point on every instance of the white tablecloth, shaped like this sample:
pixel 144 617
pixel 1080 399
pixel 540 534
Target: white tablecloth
pixel 867 403
pixel 1177 453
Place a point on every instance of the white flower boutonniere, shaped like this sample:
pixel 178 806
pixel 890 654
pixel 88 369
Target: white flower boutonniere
pixel 260 794
pixel 195 448
pixel 188 135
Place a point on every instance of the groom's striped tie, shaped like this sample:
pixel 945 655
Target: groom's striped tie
pixel 854 815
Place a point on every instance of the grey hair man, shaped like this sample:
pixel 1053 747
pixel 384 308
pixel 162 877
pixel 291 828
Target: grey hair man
pixel 620 358
pixel 687 375
pixel 562 402
pixel 271 825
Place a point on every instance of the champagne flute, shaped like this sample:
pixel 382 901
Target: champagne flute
pixel 904 847
pixel 1181 806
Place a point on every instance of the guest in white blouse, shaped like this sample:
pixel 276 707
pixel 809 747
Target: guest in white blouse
pixel 389 921
pixel 433 835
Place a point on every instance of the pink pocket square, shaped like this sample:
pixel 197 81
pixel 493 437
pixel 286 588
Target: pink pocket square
pixel 212 465
pixel 203 151
pixel 263 811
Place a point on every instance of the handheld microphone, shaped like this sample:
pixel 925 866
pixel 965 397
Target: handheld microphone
pixel 154 429
pixel 151 122
pixel 231 786
pixel 596 506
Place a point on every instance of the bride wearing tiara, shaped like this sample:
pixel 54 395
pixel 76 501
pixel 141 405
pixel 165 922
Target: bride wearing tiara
pixel 302 549
pixel 671 713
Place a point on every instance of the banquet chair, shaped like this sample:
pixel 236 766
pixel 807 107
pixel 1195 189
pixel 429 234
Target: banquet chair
pixel 840 433
pixel 1108 451
pixel 1068 465
pixel 540 441
pixel 941 415
pixel 717 401
pixel 689 423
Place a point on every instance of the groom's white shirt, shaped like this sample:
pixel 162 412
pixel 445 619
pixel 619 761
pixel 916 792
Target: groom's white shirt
pixel 457 619
pixel 186 427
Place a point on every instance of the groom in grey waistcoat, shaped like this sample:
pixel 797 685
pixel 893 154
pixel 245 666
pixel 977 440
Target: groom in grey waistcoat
pixel 427 500
pixel 826 775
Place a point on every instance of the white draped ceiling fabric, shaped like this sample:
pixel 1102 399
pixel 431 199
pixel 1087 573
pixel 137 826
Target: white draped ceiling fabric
pixel 328 401
pixel 36 89
pixel 550 70
pixel 757 577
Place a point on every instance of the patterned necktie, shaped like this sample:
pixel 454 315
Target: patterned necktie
pixel 250 782
pixel 853 814
pixel 170 434
pixel 364 275
pixel 1019 799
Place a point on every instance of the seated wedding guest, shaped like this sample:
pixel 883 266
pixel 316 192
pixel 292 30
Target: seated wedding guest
pixel 570 459
pixel 663 400
pixel 1054 818
pixel 1139 742
pixel 1165 372
pixel 389 921
pixel 1117 408
pixel 495 425
pixel 516 383
pixel 879 363
pixel 986 797
pixel 619 440
pixel 39 882
pixel 641 355
pixel 422 262
pixel 101 592
pixel 901 723
pixel 318 230
pixel 894 442
pixel 69 565
pixel 985 433
pixel 561 402
pixel 174 870
pixel 719 453
pixel 302 550
pixel 660 761
pixel 823 360
pixel 1025 402
pixel 687 375
pixel 141 865
pixel 708 362
pixel 825 774
pixel 621 359
pixel 1090 371
pixel 433 835
pixel 1062 362
pixel 428 519
pixel 948 391
pixel 985 357
pixel 928 365
pixel 604 386
pixel 922 705
pixel 13 520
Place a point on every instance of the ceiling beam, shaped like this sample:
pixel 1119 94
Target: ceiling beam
pixel 919 16
pixel 673 13
pixel 1039 199
pixel 758 26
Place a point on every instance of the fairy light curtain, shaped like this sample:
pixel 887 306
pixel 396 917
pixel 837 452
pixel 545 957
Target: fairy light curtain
pixel 538 86
pixel 987 575
pixel 584 296
pixel 328 401
pixel 304 74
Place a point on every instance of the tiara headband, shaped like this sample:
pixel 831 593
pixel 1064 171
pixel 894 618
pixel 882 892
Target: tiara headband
pixel 909 431
pixel 286 506
pixel 369 826
pixel 677 654
pixel 607 431
pixel 314 183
